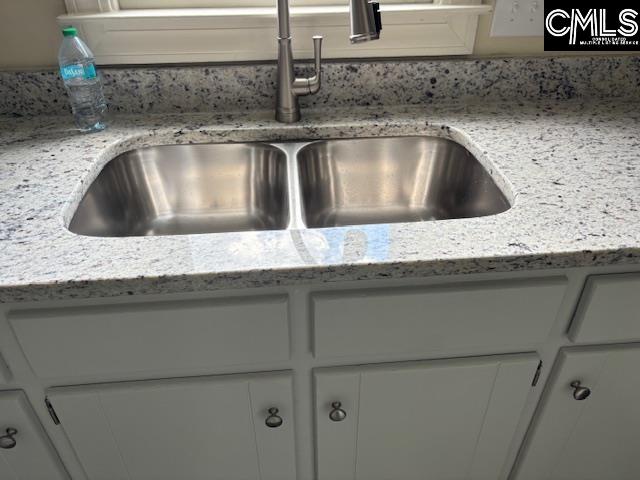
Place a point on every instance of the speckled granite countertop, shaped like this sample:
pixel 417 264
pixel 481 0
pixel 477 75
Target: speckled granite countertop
pixel 572 170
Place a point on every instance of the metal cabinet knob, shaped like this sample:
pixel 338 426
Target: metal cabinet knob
pixel 273 420
pixel 337 414
pixel 8 440
pixel 580 392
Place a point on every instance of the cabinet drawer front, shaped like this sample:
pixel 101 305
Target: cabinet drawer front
pixel 411 421
pixel 32 457
pixel 160 338
pixel 509 314
pixel 591 439
pixel 201 428
pixel 609 310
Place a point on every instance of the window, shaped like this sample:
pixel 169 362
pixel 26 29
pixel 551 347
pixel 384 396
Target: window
pixel 146 4
pixel 185 31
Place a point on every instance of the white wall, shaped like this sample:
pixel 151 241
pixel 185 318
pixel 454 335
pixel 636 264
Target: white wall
pixel 29 36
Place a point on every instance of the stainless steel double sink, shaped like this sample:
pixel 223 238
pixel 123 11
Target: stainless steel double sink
pixel 189 189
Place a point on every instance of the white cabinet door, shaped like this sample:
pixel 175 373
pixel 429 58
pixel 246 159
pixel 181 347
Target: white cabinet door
pixel 444 419
pixel 592 439
pixel 198 428
pixel 5 373
pixel 25 451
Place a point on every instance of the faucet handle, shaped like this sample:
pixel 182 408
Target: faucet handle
pixel 311 85
pixel 317 46
pixel 314 82
pixel 317 52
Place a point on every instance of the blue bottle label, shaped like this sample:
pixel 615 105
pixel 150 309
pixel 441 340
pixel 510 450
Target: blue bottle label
pixel 78 70
pixel 90 71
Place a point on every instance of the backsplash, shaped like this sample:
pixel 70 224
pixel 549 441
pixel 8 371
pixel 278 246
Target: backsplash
pixel 252 87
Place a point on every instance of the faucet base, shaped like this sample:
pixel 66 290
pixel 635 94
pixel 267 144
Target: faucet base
pixel 287 116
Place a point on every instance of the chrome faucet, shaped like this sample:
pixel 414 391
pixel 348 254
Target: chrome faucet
pixel 364 16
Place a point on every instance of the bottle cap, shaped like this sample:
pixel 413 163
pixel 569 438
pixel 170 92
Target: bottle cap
pixel 69 32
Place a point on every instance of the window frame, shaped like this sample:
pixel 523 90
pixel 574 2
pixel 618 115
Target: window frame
pixel 168 36
pixel 176 4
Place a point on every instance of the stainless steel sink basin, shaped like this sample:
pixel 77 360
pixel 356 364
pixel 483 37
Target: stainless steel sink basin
pixel 185 189
pixel 188 189
pixel 387 180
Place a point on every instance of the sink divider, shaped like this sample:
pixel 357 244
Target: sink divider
pixel 294 197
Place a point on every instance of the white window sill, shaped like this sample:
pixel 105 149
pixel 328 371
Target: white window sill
pixel 234 34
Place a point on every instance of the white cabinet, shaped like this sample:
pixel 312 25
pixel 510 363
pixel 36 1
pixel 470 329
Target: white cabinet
pixel 444 419
pixel 5 373
pixel 597 437
pixel 25 451
pixel 450 419
pixel 198 428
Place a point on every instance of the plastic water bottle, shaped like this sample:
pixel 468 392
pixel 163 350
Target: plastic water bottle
pixel 78 71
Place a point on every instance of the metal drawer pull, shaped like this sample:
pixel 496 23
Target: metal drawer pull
pixel 337 414
pixel 580 392
pixel 273 420
pixel 8 441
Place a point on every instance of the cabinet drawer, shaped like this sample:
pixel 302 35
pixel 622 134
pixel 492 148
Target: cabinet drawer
pixel 609 309
pixel 504 314
pixel 32 457
pixel 153 338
